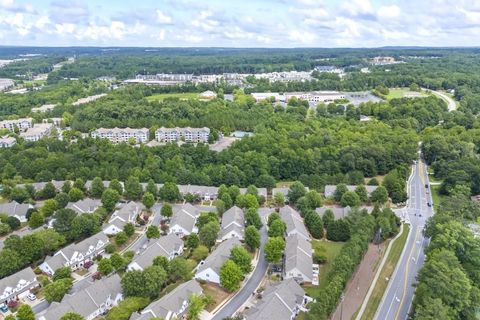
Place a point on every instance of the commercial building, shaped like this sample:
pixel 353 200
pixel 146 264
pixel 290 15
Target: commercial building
pixel 117 135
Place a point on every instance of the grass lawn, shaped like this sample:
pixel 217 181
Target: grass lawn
pixel 331 249
pixel 284 184
pixel 436 196
pixel 181 96
pixel 386 272
pixel 215 292
pixel 397 93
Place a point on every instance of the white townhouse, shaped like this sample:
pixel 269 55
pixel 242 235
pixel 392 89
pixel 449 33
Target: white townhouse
pixel 298 262
pixel 127 213
pixel 209 269
pixel 37 132
pixel 22 124
pixel 187 134
pixel 330 189
pixel 280 301
pixel 90 303
pixel 44 108
pixel 76 254
pixel 233 224
pixel 169 246
pixel 294 222
pixel 17 286
pixel 171 306
pixel 117 135
pixel 183 220
pixel 15 209
pixel 7 142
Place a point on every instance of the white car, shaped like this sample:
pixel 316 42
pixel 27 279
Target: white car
pixel 32 297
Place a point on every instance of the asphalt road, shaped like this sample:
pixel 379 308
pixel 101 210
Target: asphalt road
pixel 450 102
pixel 246 291
pixel 398 297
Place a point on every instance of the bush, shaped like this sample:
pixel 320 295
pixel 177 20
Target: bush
pixel 110 248
pixel 319 257
pixel 126 307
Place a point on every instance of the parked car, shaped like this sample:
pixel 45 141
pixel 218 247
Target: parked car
pixel 3 308
pixel 32 297
pixel 429 204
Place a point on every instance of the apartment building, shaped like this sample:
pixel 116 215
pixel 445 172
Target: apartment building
pixel 37 132
pixel 44 108
pixel 7 142
pixel 186 134
pixel 117 135
pixel 22 124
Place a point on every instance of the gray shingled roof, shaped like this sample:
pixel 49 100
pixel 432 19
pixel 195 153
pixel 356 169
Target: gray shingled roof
pixel 170 303
pixel 330 189
pixel 84 206
pixel 12 281
pixel 86 301
pixel 233 215
pixel 219 255
pixel 14 208
pixel 185 216
pixel 164 246
pixel 278 302
pixel 294 221
pixel 339 212
pixel 298 255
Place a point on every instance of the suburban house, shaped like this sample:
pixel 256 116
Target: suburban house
pixel 106 184
pixel 168 246
pixel 117 135
pixel 76 254
pixel 37 132
pixel 284 191
pixel 171 306
pixel 183 220
pixel 341 212
pixel 262 192
pixel 17 285
pixel 38 186
pixel 7 142
pixel 87 205
pixel 186 134
pixel 209 269
pixel 233 224
pixel 90 303
pixel 280 301
pixel 15 209
pixel 44 108
pixel 294 222
pixel 298 259
pixel 22 124
pixel 127 213
pixel 330 189
pixel 205 193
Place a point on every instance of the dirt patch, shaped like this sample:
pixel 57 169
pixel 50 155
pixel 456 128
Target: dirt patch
pixel 358 285
pixel 216 293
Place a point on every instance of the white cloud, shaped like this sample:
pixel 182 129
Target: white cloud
pixel 163 18
pixel 358 8
pixel 389 12
pixel 302 36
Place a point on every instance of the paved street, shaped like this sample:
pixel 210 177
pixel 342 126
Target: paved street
pixel 397 300
pixel 246 291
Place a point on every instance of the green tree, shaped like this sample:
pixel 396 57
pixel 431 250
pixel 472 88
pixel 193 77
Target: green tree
pixel 49 207
pixel 196 304
pixel 252 238
pixel 274 248
pixel 279 199
pixel 84 226
pixel 126 307
pixel 148 200
pixel 362 193
pixel 296 191
pixel 247 201
pixel 25 312
pixel 200 253
pixel 152 188
pixel 209 233
pixel 62 273
pixel 62 200
pixel 230 276
pixel 163 262
pixel 169 192
pixel 97 188
pixel 116 185
pixel 121 238
pixel 153 232
pixel 110 197
pixel 118 262
pixel 133 188
pixel 328 217
pixel 379 195
pixel 166 210
pixel 350 199
pixel 129 229
pixel 272 217
pixel 36 220
pixel 192 241
pixel 339 191
pixel 57 289
pixel 277 228
pixel 48 191
pixel 314 224
pixel 242 258
pixel 67 186
pixel 72 316
pixel 105 266
pixel 179 269
pixel 79 183
pixel 63 220
pixel 252 218
pixel 154 279
pixel 75 195
pixel 13 223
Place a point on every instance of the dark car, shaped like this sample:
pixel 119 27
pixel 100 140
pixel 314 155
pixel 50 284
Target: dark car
pixel 426 186
pixel 429 204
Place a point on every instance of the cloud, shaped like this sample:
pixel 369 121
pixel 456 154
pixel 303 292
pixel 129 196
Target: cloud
pixel 163 18
pixel 302 36
pixel 69 12
pixel 361 9
pixel 389 12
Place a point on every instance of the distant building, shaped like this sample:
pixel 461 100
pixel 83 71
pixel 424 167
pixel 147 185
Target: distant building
pixel 15 209
pixel 294 222
pixel 22 124
pixel 340 212
pixel 379 61
pixel 83 206
pixel 37 132
pixel 5 83
pixel 88 99
pixel 312 97
pixel 208 95
pixel 7 142
pixel 183 220
pixel 57 122
pixel 117 135
pixel 185 134
pixel 44 108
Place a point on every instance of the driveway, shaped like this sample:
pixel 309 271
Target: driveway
pixel 249 288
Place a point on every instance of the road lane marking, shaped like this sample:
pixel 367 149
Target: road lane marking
pixel 406 278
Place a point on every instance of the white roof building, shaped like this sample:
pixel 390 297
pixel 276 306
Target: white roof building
pixel 44 108
pixel 117 135
pixel 37 132
pixel 7 142
pixel 22 124
pixel 187 134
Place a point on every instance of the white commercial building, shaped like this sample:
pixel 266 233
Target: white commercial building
pixel 117 135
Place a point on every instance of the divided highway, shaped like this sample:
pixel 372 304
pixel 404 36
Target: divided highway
pixel 398 297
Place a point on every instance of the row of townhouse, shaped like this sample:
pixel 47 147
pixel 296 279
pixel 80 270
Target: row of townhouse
pixel 17 286
pixel 7 142
pixel 15 209
pixel 173 305
pixel 127 213
pixel 22 124
pixel 294 222
pixel 76 254
pixel 186 134
pixel 280 301
pixel 330 189
pixel 90 302
pixel 37 132
pixel 233 224
pixel 117 135
pixel 169 246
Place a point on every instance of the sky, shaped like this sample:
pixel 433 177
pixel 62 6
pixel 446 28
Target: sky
pixel 240 23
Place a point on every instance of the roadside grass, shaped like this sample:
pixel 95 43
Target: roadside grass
pixel 331 250
pixel 181 96
pixel 436 196
pixel 387 271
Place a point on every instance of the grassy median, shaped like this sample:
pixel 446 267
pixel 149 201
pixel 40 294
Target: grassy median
pixel 387 271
